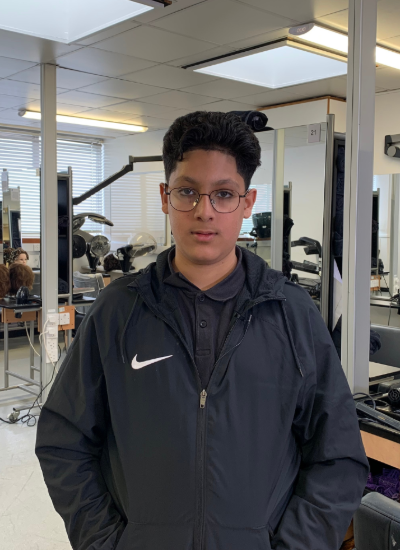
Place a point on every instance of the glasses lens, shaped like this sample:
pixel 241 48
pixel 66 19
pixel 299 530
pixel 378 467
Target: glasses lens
pixel 184 198
pixel 225 200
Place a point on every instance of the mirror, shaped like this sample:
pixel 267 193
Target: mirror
pixel 304 188
pixel 20 223
pixel 385 274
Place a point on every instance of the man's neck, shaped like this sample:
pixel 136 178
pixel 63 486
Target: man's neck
pixel 205 276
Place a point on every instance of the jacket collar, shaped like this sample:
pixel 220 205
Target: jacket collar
pixel 262 283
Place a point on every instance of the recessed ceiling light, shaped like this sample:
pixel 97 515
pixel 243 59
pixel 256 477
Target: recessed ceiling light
pixel 34 115
pixel 338 41
pixel 70 20
pixel 278 65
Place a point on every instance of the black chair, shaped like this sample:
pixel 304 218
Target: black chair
pixel 377 523
pixel 389 354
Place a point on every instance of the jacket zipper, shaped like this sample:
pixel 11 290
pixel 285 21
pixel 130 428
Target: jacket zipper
pixel 201 424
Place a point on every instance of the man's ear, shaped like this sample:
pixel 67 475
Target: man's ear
pixel 164 198
pixel 249 201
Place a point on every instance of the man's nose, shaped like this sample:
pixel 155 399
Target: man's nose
pixel 204 208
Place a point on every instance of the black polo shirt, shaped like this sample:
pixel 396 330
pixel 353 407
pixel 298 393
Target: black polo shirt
pixel 207 313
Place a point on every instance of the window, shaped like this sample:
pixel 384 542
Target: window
pixel 135 206
pixel 262 204
pixel 20 154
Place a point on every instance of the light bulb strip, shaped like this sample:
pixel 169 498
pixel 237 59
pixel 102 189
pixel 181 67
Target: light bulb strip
pixel 334 40
pixel 34 115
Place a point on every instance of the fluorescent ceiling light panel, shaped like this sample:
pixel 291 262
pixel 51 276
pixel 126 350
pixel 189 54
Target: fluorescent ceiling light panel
pixel 283 65
pixel 69 20
pixel 337 41
pixel 86 122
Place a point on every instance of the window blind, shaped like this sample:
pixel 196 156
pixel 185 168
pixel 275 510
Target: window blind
pixel 262 204
pixel 20 154
pixel 135 206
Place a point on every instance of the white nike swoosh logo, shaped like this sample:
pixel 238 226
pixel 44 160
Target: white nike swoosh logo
pixel 139 365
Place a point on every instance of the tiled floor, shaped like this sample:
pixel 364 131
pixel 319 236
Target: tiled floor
pixel 28 520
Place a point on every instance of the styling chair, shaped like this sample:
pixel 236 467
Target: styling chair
pixel 377 523
pixel 389 354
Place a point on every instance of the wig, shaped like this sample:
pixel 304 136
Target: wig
pixel 17 252
pixel 111 263
pixel 4 281
pixel 7 254
pixel 20 275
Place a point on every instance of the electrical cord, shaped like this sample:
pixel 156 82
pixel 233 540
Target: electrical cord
pixel 366 395
pixel 28 418
pixel 30 343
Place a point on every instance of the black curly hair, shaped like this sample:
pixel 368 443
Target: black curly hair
pixel 212 131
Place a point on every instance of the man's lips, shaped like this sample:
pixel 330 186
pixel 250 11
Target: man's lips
pixel 203 236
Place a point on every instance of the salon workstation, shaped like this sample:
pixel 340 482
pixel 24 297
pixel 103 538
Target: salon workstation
pixel 84 108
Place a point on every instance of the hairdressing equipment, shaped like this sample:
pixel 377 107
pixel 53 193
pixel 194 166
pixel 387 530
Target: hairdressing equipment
pixel 364 411
pixel 261 225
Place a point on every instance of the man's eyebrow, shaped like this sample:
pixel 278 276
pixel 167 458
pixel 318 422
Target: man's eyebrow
pixel 218 183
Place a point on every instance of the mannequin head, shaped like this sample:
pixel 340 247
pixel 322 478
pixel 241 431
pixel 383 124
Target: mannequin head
pixel 7 255
pixel 111 263
pixel 20 275
pixel 4 281
pixel 19 256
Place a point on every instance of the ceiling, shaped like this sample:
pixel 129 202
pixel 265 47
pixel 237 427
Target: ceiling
pixel 132 73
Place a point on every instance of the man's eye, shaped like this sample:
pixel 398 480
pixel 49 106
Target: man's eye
pixel 186 192
pixel 223 194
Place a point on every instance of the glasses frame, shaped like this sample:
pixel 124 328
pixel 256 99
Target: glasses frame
pixel 198 200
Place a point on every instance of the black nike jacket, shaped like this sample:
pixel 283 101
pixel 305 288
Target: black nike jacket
pixel 136 455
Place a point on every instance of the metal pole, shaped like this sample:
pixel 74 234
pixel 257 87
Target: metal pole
pixel 49 208
pixel 6 356
pixel 358 192
pixel 277 200
pixel 32 353
pixel 327 231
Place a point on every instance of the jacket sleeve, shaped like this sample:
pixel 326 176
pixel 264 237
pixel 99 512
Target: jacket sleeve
pixel 334 468
pixel 71 431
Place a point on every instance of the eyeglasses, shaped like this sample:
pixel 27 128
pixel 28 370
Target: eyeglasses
pixel 186 199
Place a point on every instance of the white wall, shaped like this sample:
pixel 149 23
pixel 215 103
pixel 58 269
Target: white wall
pixel 298 114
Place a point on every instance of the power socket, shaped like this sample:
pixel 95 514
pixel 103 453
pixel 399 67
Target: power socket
pixel 64 319
pixel 51 349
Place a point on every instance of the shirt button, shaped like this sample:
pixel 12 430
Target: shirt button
pixel 203 324
pixel 201 297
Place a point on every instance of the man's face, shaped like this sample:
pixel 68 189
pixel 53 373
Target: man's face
pixel 203 235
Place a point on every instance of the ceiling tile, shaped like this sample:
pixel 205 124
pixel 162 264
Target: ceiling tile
pixel 100 62
pixel 392 42
pixel 109 32
pixel 331 86
pixel 9 66
pixel 153 44
pixel 303 11
pixel 199 57
pixel 225 89
pixel 388 19
pixel 22 89
pixel 7 101
pixel 388 23
pixel 159 13
pixel 260 39
pixel 221 21
pixel 106 114
pixel 66 78
pixel 179 99
pixel 168 77
pixel 339 20
pixel 123 89
pixel 76 97
pixel 62 108
pixel 388 79
pixel 150 122
pixel 139 108
pixel 31 48
pixel 224 106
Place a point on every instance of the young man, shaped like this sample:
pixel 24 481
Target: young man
pixel 202 405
